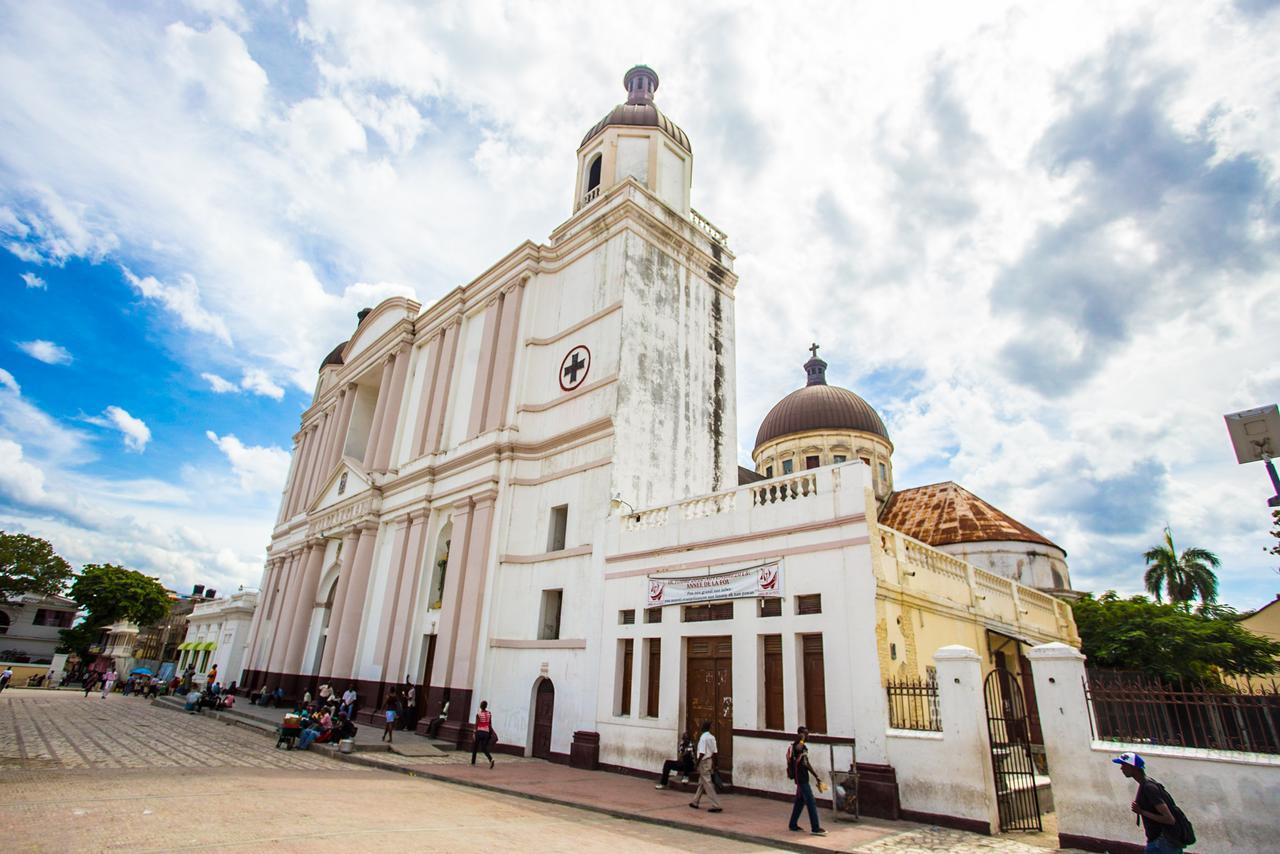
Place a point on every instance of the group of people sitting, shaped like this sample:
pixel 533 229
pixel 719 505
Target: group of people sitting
pixel 212 696
pixel 321 723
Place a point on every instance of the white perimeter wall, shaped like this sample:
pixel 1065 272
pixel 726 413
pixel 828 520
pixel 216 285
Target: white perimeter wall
pixel 1232 798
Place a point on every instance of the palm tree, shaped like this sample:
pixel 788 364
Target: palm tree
pixel 1184 577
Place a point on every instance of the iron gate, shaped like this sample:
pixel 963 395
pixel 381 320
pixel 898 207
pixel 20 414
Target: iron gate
pixel 1010 729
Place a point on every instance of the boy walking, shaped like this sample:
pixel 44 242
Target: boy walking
pixel 1152 804
pixel 707 750
pixel 799 769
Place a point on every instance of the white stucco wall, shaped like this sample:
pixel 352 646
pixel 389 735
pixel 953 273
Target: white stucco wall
pixel 1230 797
pixel 1033 564
pixel 949 773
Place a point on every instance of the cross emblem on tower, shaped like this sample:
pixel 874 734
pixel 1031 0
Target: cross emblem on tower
pixel 574 368
pixel 813 348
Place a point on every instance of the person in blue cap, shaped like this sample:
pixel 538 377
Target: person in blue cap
pixel 1152 804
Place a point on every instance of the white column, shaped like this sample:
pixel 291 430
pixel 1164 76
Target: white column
pixel 391 415
pixel 379 411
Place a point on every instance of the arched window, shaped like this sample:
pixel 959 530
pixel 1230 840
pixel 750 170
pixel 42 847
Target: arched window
pixel 593 175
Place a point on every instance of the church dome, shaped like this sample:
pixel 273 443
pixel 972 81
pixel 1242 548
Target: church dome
pixel 639 110
pixel 819 406
pixel 334 357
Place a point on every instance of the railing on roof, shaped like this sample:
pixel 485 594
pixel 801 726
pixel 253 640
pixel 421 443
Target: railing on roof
pixel 926 569
pixel 707 228
pixel 591 195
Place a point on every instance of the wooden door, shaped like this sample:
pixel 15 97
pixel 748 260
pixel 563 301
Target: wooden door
pixel 709 692
pixel 543 710
pixel 815 684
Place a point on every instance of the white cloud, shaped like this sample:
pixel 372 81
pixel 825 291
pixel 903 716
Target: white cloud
pixel 257 381
pixel 182 298
pixel 19 479
pixel 258 468
pixel 31 280
pixel 217 64
pixel 134 430
pixel 45 351
pixel 218 384
pixel 7 380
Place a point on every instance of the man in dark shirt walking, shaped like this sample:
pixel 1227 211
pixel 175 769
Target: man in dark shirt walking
pixel 1151 803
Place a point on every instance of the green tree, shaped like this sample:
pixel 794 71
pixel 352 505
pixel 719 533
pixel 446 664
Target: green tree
pixel 1182 577
pixel 1168 642
pixel 30 565
pixel 110 594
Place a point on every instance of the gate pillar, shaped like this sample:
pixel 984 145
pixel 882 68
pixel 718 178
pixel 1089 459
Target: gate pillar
pixel 963 715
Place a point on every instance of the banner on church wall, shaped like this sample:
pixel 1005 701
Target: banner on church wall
pixel 755 582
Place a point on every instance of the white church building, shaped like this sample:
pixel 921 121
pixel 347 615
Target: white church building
pixel 527 492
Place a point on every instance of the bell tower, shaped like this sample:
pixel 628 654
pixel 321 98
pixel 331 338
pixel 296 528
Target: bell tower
pixel 636 140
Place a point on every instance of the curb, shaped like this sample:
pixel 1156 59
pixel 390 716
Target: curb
pixel 356 759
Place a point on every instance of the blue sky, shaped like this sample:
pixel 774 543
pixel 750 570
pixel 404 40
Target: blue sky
pixel 1044 242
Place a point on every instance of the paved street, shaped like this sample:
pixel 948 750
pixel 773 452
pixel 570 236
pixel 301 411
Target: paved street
pixel 81 773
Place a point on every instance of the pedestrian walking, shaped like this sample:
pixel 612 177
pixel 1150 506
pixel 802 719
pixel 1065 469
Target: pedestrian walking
pixel 1167 828
pixel 5 677
pixel 390 725
pixel 799 770
pixel 484 733
pixel 707 750
pixel 89 681
pixel 108 682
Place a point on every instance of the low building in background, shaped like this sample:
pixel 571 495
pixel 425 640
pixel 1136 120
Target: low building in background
pixel 218 633
pixel 29 626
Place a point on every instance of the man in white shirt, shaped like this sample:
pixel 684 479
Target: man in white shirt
pixel 707 750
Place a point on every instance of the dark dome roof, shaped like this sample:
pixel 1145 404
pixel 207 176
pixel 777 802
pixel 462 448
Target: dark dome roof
pixel 334 357
pixel 639 110
pixel 819 406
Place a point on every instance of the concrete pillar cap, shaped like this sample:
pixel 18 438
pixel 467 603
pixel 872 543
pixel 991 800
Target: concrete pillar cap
pixel 1055 650
pixel 956 652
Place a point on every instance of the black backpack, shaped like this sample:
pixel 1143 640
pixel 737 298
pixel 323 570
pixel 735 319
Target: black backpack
pixel 1181 833
pixel 791 762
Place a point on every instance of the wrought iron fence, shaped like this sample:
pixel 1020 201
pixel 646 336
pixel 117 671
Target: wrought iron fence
pixel 1140 710
pixel 913 704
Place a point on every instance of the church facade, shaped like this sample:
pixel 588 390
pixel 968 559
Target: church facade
pixel 528 493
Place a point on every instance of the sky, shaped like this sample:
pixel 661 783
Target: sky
pixel 1043 240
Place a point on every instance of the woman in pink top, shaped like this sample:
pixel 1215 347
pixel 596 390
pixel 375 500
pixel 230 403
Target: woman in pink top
pixel 484 733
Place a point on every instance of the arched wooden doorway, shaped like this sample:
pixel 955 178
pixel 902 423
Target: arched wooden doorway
pixel 544 704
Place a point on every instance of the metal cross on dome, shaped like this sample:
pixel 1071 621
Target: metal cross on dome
pixel 813 348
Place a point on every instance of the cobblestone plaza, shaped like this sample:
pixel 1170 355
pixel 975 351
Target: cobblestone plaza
pixel 84 773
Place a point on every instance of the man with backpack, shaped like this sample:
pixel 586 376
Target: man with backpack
pixel 1167 827
pixel 799 769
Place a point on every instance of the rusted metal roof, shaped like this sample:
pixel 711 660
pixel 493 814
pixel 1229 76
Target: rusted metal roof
pixel 944 513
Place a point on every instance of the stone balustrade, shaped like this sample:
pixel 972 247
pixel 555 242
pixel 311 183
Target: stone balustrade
pixel 919 566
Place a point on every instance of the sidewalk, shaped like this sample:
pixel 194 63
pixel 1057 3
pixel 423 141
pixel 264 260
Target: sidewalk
pixel 745 818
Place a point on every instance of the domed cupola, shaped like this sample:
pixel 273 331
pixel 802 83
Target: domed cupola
pixel 636 140
pixel 820 425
